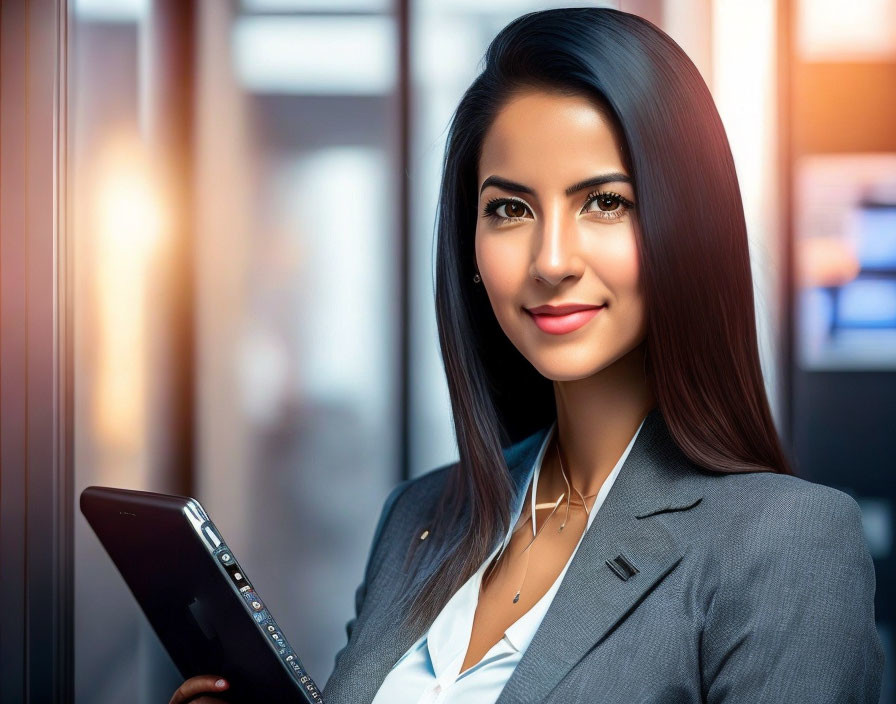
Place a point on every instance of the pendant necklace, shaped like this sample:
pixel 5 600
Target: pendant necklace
pixel 553 505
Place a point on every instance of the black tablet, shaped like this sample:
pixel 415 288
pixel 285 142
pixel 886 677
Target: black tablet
pixel 196 596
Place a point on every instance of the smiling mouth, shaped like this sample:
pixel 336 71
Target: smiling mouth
pixel 562 324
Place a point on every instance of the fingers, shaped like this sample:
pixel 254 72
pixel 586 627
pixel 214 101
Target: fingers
pixel 201 684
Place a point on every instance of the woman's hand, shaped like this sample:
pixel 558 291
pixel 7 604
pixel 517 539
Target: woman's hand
pixel 192 690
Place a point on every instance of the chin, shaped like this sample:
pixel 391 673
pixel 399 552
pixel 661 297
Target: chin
pixel 565 365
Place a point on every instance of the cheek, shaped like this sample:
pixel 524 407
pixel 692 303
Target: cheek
pixel 617 265
pixel 626 283
pixel 503 265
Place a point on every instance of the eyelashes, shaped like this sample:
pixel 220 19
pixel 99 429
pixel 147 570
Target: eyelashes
pixel 620 206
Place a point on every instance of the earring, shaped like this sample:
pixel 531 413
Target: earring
pixel 477 278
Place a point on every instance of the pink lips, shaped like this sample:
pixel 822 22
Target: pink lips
pixel 562 324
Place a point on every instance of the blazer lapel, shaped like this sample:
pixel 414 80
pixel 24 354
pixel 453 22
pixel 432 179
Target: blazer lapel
pixel 593 596
pixel 622 556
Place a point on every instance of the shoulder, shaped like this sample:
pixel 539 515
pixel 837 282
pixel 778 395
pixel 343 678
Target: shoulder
pixel 412 502
pixel 415 498
pixel 791 593
pixel 785 504
pixel 421 492
pixel 407 503
pixel 775 534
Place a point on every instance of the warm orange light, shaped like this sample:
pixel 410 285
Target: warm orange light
pixel 129 208
pixel 829 30
pixel 128 223
pixel 826 261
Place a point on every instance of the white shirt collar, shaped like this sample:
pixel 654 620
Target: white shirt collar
pixel 449 635
pixel 521 632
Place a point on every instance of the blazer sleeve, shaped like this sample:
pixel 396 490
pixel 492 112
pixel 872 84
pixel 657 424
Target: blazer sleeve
pixel 386 511
pixel 792 618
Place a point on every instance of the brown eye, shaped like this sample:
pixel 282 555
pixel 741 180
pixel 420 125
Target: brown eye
pixel 607 202
pixel 514 209
pixel 610 206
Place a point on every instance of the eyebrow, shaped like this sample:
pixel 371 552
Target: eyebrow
pixel 507 185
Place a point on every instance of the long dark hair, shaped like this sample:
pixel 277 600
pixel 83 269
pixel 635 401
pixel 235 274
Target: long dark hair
pixel 695 271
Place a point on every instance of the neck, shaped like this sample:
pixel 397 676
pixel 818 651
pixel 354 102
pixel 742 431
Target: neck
pixel 596 418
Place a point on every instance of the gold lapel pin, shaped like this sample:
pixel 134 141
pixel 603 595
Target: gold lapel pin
pixel 424 535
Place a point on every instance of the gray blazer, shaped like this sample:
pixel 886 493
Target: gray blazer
pixel 749 588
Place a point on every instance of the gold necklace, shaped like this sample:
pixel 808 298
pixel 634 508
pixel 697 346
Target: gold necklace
pixel 553 506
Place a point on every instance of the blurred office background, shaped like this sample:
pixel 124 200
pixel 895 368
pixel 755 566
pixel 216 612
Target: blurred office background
pixel 252 191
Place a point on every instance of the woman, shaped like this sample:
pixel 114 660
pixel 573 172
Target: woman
pixel 622 525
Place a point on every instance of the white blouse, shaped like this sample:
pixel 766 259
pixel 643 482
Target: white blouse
pixel 428 672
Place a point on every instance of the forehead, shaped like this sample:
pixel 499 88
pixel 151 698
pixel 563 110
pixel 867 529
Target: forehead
pixel 539 137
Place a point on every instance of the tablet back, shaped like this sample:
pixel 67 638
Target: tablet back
pixel 195 595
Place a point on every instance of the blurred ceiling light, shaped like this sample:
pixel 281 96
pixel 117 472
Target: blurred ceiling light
pixel 317 5
pixel 316 55
pixel 830 30
pixel 111 10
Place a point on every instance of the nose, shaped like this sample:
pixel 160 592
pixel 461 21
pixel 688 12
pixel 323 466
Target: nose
pixel 556 255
